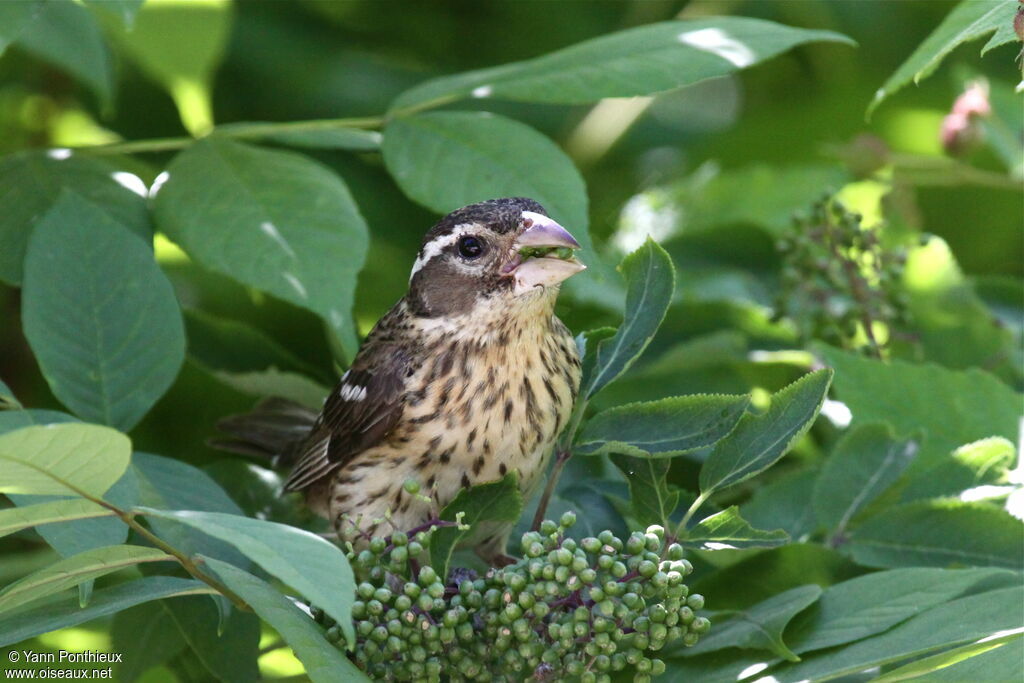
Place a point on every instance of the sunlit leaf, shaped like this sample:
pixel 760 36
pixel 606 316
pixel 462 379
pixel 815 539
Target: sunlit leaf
pixel 727 528
pixel 650 499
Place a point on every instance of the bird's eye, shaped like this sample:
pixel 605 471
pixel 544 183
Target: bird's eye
pixel 470 247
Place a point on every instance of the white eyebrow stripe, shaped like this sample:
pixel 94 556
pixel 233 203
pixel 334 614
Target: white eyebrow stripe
pixel 438 244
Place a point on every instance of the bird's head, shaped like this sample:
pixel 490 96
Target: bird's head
pixel 501 248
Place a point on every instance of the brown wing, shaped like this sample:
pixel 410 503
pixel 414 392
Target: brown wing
pixel 357 415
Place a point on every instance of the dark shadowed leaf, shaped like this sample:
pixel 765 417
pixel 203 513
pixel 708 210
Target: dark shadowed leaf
pixel 760 440
pixel 306 562
pixel 760 627
pixel 970 20
pixel 16 419
pixel 650 282
pixel 50 459
pixel 498 501
pixel 99 314
pixel 650 499
pixel 863 464
pixel 782 504
pixel 940 533
pixel 667 427
pixel 637 61
pixel 960 621
pixel 323 661
pixel 227 645
pixel 31 183
pixel 14 17
pixel 54 616
pixel 74 570
pixel 7 398
pixel 146 636
pixel 65 34
pixel 274 220
pixel 727 528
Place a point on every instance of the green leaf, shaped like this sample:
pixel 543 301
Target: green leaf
pixel 64 510
pixel 323 661
pixel 14 17
pixel 760 440
pixel 499 502
pixel 760 627
pixel 58 459
pixel 146 636
pixel 727 528
pixel 981 462
pixel 638 61
pixel 74 570
pixel 179 45
pixel 306 562
pixel 125 10
pixel 650 282
pixel 864 463
pixel 957 622
pixel 913 397
pixel 445 160
pixel 586 346
pixel 16 419
pixel 991 659
pixel 350 139
pixel 649 496
pixel 66 35
pixel 7 399
pixel 31 183
pixel 251 362
pixel 227 645
pixel 55 615
pixel 274 220
pixel 940 533
pixel 170 484
pixel 99 314
pixel 873 603
pixel 782 504
pixel 970 20
pixel 667 427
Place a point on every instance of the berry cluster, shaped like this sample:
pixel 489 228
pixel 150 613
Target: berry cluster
pixel 568 610
pixel 839 283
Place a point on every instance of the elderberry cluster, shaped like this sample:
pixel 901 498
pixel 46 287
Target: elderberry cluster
pixel 568 610
pixel 839 282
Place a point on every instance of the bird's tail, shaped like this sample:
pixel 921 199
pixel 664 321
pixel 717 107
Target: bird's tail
pixel 273 431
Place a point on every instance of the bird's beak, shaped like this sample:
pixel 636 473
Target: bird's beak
pixel 543 254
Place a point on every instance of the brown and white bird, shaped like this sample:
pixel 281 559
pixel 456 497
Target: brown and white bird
pixel 468 377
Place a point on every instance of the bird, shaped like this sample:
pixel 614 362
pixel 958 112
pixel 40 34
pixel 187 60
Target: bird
pixel 468 377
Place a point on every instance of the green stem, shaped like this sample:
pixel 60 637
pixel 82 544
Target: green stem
pixel 237 131
pixel 681 529
pixel 563 451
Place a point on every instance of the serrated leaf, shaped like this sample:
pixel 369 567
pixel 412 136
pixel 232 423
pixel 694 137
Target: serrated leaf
pixel 970 20
pixel 873 603
pixel 324 662
pixel 727 528
pixel 52 459
pixel 864 463
pixel 760 440
pixel 446 160
pixel 981 462
pixel 960 621
pixel 638 61
pixel 761 626
pixel 66 35
pixel 306 562
pixel 99 314
pixel 270 219
pixel 940 533
pixel 649 496
pixel 74 570
pixel 667 427
pixel 55 615
pixel 18 518
pixel 925 397
pixel 499 502
pixel 586 346
pixel 650 282
pixel 31 183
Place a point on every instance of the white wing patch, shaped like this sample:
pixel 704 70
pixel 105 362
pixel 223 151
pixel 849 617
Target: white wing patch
pixel 437 245
pixel 352 392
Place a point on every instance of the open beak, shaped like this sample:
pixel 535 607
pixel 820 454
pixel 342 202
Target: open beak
pixel 543 254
